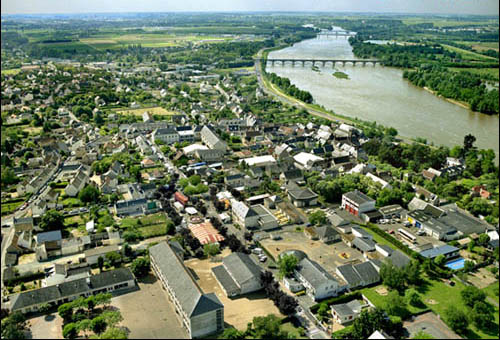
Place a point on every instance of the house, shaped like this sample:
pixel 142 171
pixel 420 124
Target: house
pixel 363 244
pixel 108 281
pixel 76 184
pixel 308 161
pixel 399 259
pixel 243 215
pixel 60 273
pixel 259 161
pixel 359 275
pixel 200 314
pixel 346 312
pixel 181 198
pixel 318 282
pixel 137 206
pixel 93 254
pixel 357 203
pixel 294 175
pixel 147 163
pixel 209 155
pixel 310 232
pixel 235 180
pixel 210 139
pixel 302 197
pixel 22 224
pixel 380 335
pixel 379 180
pixel 391 211
pixel 238 275
pixel 446 250
pixel 166 135
pixel 431 174
pixel 328 234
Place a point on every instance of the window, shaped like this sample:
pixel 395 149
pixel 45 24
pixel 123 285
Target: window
pixel 350 318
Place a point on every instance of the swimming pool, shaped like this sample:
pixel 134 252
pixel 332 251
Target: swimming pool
pixel 456 264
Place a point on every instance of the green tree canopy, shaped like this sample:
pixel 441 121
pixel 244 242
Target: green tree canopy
pixel 287 264
pixel 52 220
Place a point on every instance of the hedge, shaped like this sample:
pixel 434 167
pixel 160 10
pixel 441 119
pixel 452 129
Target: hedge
pixel 391 239
pixel 26 278
pixel 338 299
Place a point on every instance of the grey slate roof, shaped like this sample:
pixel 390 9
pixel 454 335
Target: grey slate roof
pixel 350 275
pixel 326 231
pixel 364 244
pixel 187 291
pixel 242 267
pixel 78 286
pixel 367 272
pixel 399 259
pixel 358 197
pixel 313 272
pixel 441 250
pixel 337 220
pixel 302 194
pixel 226 280
pixel 48 236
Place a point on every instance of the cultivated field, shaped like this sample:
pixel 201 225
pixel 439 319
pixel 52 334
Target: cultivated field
pixel 156 110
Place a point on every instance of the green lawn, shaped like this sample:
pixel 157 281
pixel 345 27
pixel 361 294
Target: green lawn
pixel 72 202
pixel 379 300
pixel 11 71
pixel 292 330
pixel 9 207
pixel 153 230
pixel 379 239
pixel 468 55
pixel 490 290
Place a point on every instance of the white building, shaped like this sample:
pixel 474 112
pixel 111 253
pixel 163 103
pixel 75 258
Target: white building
pixel 308 161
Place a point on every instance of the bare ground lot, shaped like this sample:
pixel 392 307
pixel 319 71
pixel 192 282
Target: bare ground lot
pixel 45 327
pixel 156 110
pixel 481 278
pixel 239 311
pixel 430 324
pixel 327 255
pixel 148 314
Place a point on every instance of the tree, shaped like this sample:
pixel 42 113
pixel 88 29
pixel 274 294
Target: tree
pixel 84 325
pixel 114 258
pixel 412 297
pixel 89 194
pixel 140 267
pixel 112 317
pixel 52 220
pixel 481 314
pixel 114 333
pixel 211 249
pixel 468 266
pixel 323 311
pixel 103 299
pixel 13 326
pixel 287 264
pixel 483 239
pixel 317 218
pixel 65 311
pixel 267 327
pixel 368 322
pixel 469 141
pixel 287 304
pixel 412 272
pixel 440 260
pixel 232 333
pixel 471 295
pixel 396 305
pixel 456 319
pixel 422 335
pixel 100 263
pixel 98 325
pixel 70 331
pixel 392 276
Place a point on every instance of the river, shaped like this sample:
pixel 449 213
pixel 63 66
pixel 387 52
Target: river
pixel 378 93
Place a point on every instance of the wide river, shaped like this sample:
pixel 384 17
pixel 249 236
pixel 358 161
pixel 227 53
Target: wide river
pixel 381 94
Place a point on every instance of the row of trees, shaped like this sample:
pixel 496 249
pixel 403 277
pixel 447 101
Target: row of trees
pixel 285 303
pixel 290 89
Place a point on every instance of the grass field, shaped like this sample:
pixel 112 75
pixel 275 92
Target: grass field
pixel 9 207
pixel 153 230
pixel 468 55
pixel 438 296
pixel 379 239
pixel 114 41
pixel 489 72
pixel 490 290
pixel 153 110
pixel 446 22
pixel 481 45
pixel 11 71
pixel 292 330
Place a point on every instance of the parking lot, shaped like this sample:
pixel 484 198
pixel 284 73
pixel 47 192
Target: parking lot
pixel 238 311
pixel 421 239
pixel 329 256
pixel 148 314
pixel 430 324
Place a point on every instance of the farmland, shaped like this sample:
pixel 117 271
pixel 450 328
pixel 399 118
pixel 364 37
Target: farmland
pixel 156 110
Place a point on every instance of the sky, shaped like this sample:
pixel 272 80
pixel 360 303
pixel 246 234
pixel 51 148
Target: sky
pixel 481 7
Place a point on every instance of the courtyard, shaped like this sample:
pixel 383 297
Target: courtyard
pixel 238 311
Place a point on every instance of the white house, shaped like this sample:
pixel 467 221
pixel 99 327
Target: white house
pixel 308 161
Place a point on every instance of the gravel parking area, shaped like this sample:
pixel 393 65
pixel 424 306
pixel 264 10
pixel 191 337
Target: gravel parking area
pixel 327 255
pixel 430 324
pixel 148 314
pixel 238 311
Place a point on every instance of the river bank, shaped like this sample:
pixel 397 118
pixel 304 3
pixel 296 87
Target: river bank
pixel 453 101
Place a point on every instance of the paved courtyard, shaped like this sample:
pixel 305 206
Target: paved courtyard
pixel 238 311
pixel 148 314
pixel 45 327
pixel 327 255
pixel 430 324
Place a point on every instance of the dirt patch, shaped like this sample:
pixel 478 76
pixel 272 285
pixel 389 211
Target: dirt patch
pixel 27 258
pixel 431 302
pixel 46 327
pixel 239 311
pixel 482 278
pixel 382 291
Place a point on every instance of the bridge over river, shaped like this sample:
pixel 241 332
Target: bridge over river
pixel 323 62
